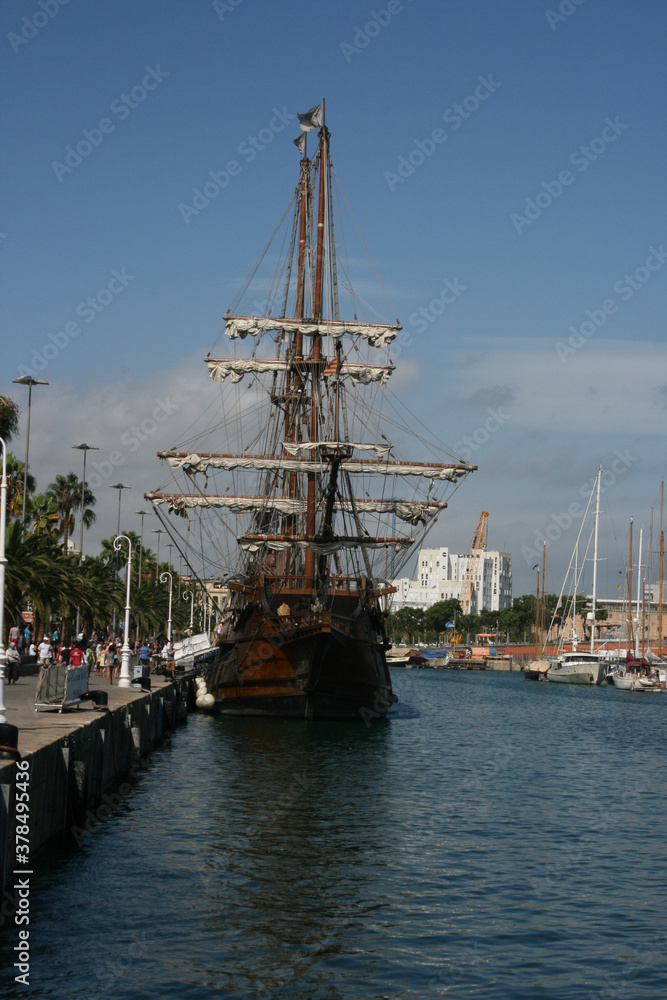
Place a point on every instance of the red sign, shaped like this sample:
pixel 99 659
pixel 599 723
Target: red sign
pixel 28 616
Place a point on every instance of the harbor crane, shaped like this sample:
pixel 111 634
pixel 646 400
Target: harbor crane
pixel 476 550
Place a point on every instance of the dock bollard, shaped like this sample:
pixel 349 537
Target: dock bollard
pixel 9 742
pixel 100 699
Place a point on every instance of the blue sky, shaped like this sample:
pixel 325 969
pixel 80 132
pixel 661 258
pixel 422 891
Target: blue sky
pixel 550 78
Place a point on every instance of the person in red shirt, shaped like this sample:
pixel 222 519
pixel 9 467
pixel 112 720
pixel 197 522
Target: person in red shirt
pixel 76 657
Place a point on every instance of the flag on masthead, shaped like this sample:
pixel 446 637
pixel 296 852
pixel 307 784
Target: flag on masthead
pixel 311 119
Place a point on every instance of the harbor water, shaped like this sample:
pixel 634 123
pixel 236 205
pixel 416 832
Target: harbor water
pixel 493 838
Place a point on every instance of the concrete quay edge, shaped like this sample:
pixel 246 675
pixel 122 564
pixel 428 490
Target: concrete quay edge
pixel 78 757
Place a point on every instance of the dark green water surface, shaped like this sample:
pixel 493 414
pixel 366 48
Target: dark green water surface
pixel 495 839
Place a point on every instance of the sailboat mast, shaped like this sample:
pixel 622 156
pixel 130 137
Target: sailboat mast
pixel 544 577
pixel 595 560
pixel 537 614
pixel 662 562
pixel 574 599
pixel 646 611
pixel 639 583
pixel 629 629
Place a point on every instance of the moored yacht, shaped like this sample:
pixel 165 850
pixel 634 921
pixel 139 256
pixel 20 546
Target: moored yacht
pixel 577 668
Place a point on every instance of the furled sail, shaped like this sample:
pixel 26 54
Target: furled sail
pixel 378 335
pixel 253 543
pixel 411 511
pixel 193 463
pixel 222 368
pixel 292 447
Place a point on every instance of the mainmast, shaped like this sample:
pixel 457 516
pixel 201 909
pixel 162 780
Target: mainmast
pixel 316 351
pixel 293 381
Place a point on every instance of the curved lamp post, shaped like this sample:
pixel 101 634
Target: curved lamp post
pixel 163 577
pixel 190 595
pixel 3 562
pixel 124 679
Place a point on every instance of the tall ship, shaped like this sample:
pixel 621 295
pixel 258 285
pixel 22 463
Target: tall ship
pixel 299 473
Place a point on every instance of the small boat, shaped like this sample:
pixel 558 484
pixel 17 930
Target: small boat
pixel 637 675
pixel 193 650
pixel 536 670
pixel 649 684
pixel 576 668
pixel 623 679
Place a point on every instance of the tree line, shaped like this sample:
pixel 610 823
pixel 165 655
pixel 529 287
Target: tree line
pixel 514 624
pixel 54 583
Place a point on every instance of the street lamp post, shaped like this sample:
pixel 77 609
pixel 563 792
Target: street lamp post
pixel 84 448
pixel 124 679
pixel 29 381
pixel 163 577
pixel 158 532
pixel 142 515
pixel 3 562
pixel 120 487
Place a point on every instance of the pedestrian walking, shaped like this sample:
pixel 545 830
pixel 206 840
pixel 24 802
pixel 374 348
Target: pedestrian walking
pixel 13 663
pixel 45 652
pixel 108 660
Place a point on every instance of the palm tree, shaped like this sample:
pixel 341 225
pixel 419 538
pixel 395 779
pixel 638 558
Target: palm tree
pixel 15 471
pixel 67 492
pixel 150 608
pixel 9 418
pixel 37 571
pixel 96 592
pixel 43 514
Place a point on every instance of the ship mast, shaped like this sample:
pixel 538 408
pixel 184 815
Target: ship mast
pixel 316 351
pixel 293 381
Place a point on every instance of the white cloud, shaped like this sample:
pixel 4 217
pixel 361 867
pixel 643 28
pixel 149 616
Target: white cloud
pixel 564 419
pixel 606 386
pixel 129 422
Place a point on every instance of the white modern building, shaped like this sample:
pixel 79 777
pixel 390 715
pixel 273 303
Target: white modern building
pixel 440 575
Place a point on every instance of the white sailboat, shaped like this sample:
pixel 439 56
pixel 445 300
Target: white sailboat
pixel 579 667
pixel 639 672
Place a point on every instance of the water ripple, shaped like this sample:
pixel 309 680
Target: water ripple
pixel 493 839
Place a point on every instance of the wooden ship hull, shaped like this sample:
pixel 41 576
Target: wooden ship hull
pixel 305 664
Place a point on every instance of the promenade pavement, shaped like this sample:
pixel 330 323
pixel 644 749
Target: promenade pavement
pixel 37 729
